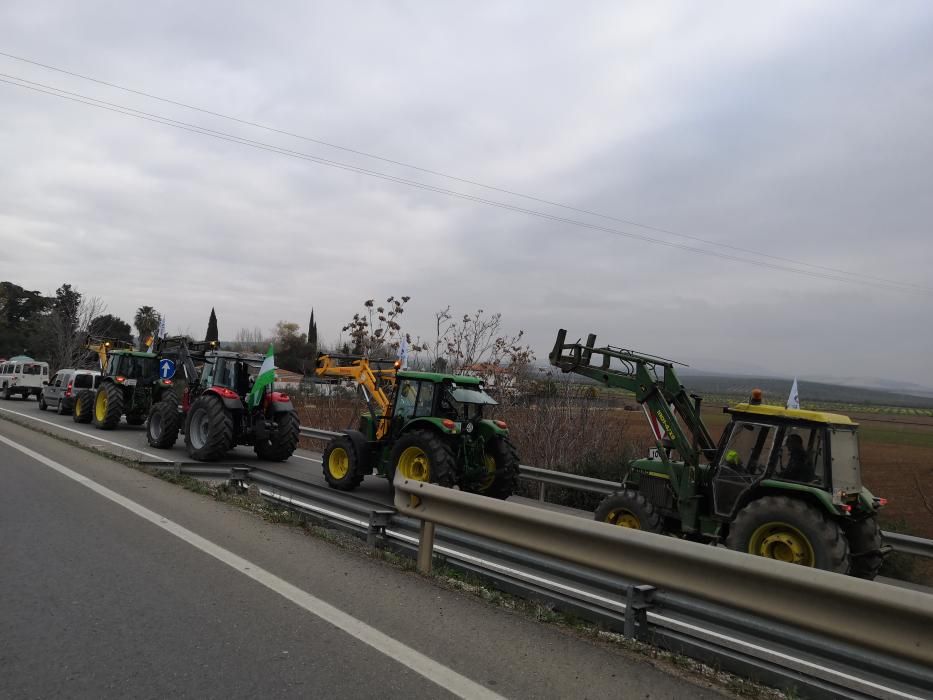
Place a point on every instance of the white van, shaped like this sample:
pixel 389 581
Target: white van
pixel 24 376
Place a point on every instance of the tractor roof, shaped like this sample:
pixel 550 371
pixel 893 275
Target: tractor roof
pixel 438 377
pixel 132 353
pixel 242 356
pixel 791 414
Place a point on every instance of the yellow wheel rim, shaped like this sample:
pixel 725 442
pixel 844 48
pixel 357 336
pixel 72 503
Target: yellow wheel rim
pixel 338 463
pixel 783 542
pixel 78 408
pixel 624 518
pixel 100 406
pixel 490 462
pixel 414 464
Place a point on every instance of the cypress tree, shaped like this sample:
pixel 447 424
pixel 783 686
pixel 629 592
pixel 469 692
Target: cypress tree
pixel 212 327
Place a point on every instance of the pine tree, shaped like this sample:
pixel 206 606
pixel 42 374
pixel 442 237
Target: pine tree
pixel 212 327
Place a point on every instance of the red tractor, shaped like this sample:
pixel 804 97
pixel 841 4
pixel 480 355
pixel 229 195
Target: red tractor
pixel 214 414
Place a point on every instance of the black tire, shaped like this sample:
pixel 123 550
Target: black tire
pixel 341 464
pixel 83 410
pixel 283 442
pixel 422 455
pixel 108 406
pixel 164 423
pixel 629 508
pixel 43 405
pixel 60 409
pixel 864 548
pixel 505 480
pixel 208 430
pixel 789 529
pixel 7 393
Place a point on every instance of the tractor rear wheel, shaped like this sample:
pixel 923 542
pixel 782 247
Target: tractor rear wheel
pixel 108 406
pixel 283 441
pixel 83 410
pixel 342 469
pixel 163 425
pixel 502 465
pixel 789 529
pixel 865 548
pixel 208 430
pixel 629 508
pixel 421 455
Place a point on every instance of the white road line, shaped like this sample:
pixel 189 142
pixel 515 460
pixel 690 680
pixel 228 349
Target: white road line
pixel 87 435
pixel 425 666
pixel 307 459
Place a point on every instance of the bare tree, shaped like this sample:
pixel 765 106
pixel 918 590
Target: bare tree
pixel 247 340
pixel 67 330
pixel 376 332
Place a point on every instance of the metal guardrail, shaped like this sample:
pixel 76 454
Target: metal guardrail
pixel 721 635
pixel 888 620
pixel 905 544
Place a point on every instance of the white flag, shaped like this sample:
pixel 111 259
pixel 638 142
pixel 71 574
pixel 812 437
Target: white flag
pixel 403 352
pixel 793 401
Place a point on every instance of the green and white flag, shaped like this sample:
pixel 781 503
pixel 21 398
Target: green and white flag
pixel 266 378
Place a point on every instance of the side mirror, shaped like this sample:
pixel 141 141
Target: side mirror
pixel 45 382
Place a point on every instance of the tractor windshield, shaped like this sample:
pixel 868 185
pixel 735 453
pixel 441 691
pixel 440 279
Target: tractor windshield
pixel 465 402
pixel 142 369
pixel 235 374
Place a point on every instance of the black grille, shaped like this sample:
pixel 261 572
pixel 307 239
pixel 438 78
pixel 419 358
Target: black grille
pixel 657 491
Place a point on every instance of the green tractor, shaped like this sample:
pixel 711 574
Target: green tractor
pixel 129 386
pixel 780 483
pixel 427 426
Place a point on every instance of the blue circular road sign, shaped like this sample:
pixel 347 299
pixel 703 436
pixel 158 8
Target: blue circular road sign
pixel 166 369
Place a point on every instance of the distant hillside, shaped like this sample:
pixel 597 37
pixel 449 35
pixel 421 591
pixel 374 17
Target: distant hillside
pixel 776 390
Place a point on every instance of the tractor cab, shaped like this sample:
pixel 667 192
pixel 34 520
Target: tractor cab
pixel 424 394
pixel 778 449
pixel 230 370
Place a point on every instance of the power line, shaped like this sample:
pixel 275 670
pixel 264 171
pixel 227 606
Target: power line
pixel 204 131
pixel 455 178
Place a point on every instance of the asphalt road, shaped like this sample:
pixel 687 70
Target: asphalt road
pixel 115 583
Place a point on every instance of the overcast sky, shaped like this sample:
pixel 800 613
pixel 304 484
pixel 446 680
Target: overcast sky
pixel 796 129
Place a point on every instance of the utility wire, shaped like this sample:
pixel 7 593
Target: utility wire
pixel 204 131
pixel 455 178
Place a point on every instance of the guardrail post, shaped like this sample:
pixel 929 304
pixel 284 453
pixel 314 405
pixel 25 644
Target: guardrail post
pixel 238 476
pixel 378 520
pixel 425 547
pixel 542 490
pixel 637 601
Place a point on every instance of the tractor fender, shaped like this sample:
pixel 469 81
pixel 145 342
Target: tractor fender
pixel 229 404
pixel 430 423
pixel 279 403
pixel 360 445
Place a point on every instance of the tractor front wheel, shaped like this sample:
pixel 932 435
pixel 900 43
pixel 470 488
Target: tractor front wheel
pixel 163 425
pixel 502 466
pixel 788 529
pixel 421 455
pixel 108 406
pixel 208 430
pixel 83 410
pixel 629 508
pixel 341 465
pixel 282 441
pixel 865 548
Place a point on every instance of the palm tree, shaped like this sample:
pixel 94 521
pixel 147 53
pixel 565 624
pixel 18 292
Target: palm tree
pixel 147 322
